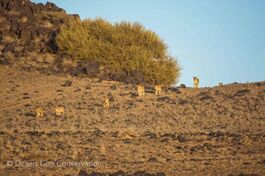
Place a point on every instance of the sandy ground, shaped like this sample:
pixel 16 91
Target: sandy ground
pixel 206 131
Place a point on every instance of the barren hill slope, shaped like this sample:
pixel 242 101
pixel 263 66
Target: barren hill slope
pixel 212 131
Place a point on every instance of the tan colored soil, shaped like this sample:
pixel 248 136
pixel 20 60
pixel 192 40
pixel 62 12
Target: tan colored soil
pixel 206 131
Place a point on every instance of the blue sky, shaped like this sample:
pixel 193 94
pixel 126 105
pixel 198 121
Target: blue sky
pixel 216 40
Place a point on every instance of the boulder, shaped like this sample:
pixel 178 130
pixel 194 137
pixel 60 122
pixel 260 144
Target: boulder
pixel 85 69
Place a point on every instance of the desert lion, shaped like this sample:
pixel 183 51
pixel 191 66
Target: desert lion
pixel 59 110
pixel 158 89
pixel 196 81
pixel 140 90
pixel 39 112
pixel 106 103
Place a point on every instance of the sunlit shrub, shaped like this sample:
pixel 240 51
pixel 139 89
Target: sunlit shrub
pixel 121 47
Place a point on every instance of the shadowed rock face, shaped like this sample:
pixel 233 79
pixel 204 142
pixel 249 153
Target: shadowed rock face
pixel 87 69
pixel 27 27
pixel 134 77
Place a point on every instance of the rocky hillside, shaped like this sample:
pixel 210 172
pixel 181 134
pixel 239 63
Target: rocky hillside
pixel 184 131
pixel 27 32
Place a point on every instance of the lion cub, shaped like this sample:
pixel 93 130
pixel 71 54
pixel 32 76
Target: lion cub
pixel 39 112
pixel 196 81
pixel 140 90
pixel 59 110
pixel 106 103
pixel 158 89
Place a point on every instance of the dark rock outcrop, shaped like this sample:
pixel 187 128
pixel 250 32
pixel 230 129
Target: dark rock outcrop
pixel 134 77
pixel 86 69
pixel 29 27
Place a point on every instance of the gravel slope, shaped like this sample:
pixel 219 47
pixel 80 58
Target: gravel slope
pixel 206 131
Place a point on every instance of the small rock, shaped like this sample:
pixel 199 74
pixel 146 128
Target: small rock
pixel 242 92
pixel 113 87
pixel 82 173
pixel 152 159
pixel 182 86
pixel 119 173
pixel 4 61
pixel 165 98
pixel 181 138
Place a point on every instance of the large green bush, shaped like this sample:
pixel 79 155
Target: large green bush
pixel 121 47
